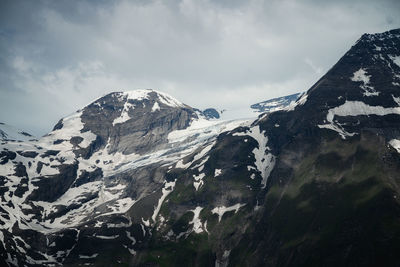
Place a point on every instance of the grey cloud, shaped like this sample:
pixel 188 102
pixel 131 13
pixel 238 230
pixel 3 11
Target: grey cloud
pixel 59 55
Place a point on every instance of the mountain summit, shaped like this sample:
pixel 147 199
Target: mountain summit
pixel 140 179
pixel 130 122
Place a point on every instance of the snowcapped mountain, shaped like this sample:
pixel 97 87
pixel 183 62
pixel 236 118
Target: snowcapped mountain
pixel 94 166
pixel 275 104
pixel 140 179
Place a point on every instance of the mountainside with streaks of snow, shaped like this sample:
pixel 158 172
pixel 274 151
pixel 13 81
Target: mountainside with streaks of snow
pixel 140 179
pixel 92 169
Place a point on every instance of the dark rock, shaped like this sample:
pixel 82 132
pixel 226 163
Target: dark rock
pixel 49 153
pixel 211 113
pixel 76 140
pixel 59 125
pixel 58 141
pixel 28 154
pixel 20 170
pixel 5 156
pixel 25 133
pixel 87 177
pixel 39 167
pixel 53 187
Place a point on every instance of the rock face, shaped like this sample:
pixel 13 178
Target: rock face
pixel 136 122
pixel 333 194
pixel 140 179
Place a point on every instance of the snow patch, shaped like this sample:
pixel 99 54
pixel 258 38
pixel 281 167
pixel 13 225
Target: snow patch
pixel 88 256
pixel 396 99
pixel 361 76
pixel 222 209
pixel 108 237
pixel 198 180
pixel 265 162
pixel 224 261
pixel 217 172
pixel 146 223
pixel 395 143
pixel 198 226
pixel 155 107
pixel 129 236
pixel 395 59
pixel 139 95
pixel 196 157
pixel 169 100
pixel 302 100
pixel 72 126
pixel 299 102
pixel 167 189
pixel 354 108
pixel 124 114
pixel 181 165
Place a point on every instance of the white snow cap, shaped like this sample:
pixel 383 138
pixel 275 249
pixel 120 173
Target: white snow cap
pixel 144 94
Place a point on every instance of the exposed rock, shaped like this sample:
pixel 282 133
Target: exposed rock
pixel 28 154
pixel 6 155
pixel 211 113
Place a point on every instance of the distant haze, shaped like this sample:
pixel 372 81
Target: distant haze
pixel 57 56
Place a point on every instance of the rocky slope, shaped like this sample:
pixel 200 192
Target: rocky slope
pixel 92 171
pixel 333 194
pixel 140 179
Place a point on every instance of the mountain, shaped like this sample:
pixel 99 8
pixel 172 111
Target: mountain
pixel 332 196
pixel 10 133
pixel 209 113
pixel 141 179
pixel 275 104
pixel 92 171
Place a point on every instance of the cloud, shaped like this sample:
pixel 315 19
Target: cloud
pixel 317 70
pixel 57 56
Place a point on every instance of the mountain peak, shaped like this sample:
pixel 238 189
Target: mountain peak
pixel 142 94
pixel 376 48
pixel 360 88
pixel 371 37
pixel 128 122
pixel 144 101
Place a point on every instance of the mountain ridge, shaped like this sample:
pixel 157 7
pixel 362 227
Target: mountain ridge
pixel 314 183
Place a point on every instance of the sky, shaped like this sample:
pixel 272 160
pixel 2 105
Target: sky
pixel 58 56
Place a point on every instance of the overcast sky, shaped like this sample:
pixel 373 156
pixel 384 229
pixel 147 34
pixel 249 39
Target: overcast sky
pixel 57 56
